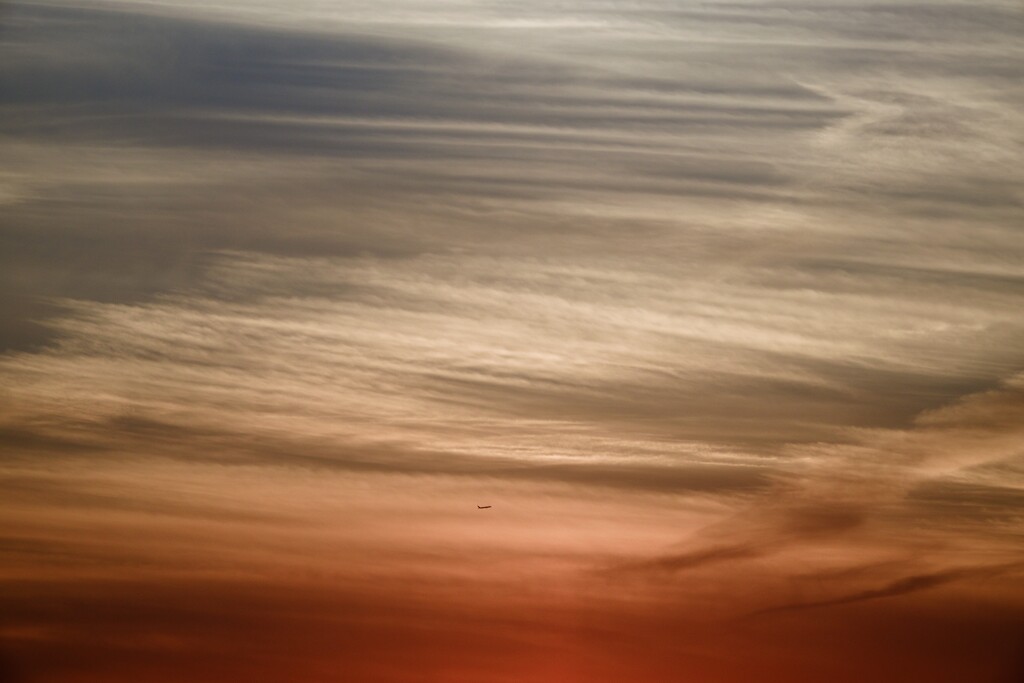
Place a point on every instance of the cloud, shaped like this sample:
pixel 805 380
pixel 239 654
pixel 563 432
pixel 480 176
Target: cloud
pixel 903 586
pixel 699 559
pixel 717 305
pixel 894 496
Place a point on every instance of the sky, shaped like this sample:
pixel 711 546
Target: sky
pixel 717 305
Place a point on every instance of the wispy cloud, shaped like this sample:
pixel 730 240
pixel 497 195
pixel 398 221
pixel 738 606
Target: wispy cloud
pixel 717 305
pixel 904 586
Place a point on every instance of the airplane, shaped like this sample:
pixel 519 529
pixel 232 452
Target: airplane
pixel 482 507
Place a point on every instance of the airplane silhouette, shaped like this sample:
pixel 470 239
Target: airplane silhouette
pixel 482 507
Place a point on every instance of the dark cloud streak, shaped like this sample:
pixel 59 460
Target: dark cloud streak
pixel 899 587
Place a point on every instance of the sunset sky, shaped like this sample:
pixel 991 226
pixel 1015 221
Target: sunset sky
pixel 718 305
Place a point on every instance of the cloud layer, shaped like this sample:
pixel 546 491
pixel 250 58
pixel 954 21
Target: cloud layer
pixel 716 304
